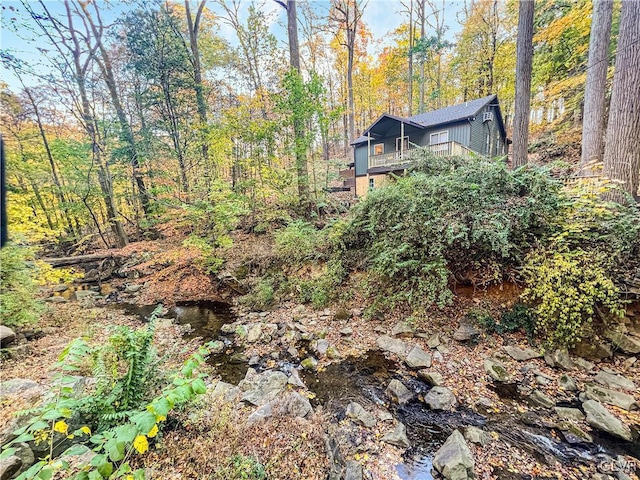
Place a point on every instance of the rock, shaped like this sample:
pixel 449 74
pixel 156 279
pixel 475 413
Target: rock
pixel 440 398
pixel 9 467
pixel 566 413
pixel 454 460
pixel 385 416
pixel 559 358
pixel 265 387
pixel 583 364
pixel 615 381
pixel 398 437
pixel 398 393
pixel 228 328
pixel 391 345
pixel 333 353
pixel 612 397
pixel 418 358
pixel 432 378
pixel 216 346
pixel 78 455
pixel 600 418
pixel 22 387
pixel 624 342
pixel 254 333
pixel 356 312
pixel 254 360
pixel 342 314
pixel 484 405
pixel 521 354
pixel 356 412
pixel 540 399
pixel 56 299
pixel 346 331
pixel 477 435
pixel 7 336
pixel 132 288
pixel 295 380
pixel 241 331
pixel 466 332
pixel 434 341
pixel 595 349
pixel 403 329
pixel 568 383
pixel 321 346
pixel 309 363
pixel 60 288
pixel 354 471
pixel 628 363
pixel 85 295
pixel 225 390
pixel 574 434
pixel 496 370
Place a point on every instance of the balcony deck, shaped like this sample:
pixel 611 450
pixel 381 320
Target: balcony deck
pixel 447 149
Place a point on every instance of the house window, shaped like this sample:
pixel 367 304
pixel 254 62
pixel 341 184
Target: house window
pixel 438 141
pixel 402 143
pixel 378 149
pixel 372 183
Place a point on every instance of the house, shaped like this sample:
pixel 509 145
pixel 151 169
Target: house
pixel 473 127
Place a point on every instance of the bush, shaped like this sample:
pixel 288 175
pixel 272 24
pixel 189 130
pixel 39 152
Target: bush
pixel 471 220
pixel 262 296
pixel 517 318
pixel 566 289
pixel 322 290
pixel 300 241
pixel 18 304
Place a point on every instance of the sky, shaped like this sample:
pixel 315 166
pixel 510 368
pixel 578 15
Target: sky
pixel 381 16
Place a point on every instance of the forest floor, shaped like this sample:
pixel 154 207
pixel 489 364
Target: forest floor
pixel 214 440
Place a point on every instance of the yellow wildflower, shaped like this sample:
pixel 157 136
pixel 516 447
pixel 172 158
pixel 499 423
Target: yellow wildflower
pixel 140 444
pixel 61 427
pixel 153 432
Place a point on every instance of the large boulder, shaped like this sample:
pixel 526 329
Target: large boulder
pixel 624 341
pixel 354 470
pixel 356 412
pixel 398 393
pixel 466 333
pixel 615 381
pixel 9 467
pixel 432 378
pixel 403 329
pixel 612 397
pixel 20 387
pixel 290 405
pixel 265 387
pixel 398 437
pixel 454 460
pixel 440 398
pixel 521 354
pixel 559 359
pixel 391 345
pixel 600 418
pixel 7 336
pixel 496 370
pixel 418 358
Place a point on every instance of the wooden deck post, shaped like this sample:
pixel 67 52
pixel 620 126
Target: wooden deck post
pixel 401 140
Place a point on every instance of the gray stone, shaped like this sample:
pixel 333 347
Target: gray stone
pixel 454 460
pixel 495 370
pixel 346 331
pixel 85 295
pixel 56 299
pixel 628 363
pixel 290 405
pixel 432 378
pixel 434 341
pixel 356 412
pixel 354 471
pixel 216 346
pixel 540 380
pixel 265 387
pixel 224 390
pixel 466 332
pixel 9 467
pixel 540 399
pixel 228 328
pixel 333 353
pixel 22 387
pixel 321 346
pixel 385 416
pixel 254 333
pixel 309 363
pixel 398 437
pixel 600 418
pixel 78 455
pixel 418 358
pixel 398 393
pixel 521 354
pixel 391 345
pixel 132 288
pixel 615 381
pixel 60 288
pixel 566 413
pixel 612 397
pixel 568 383
pixel 295 380
pixel 624 341
pixel 574 434
pixel 241 331
pixel 594 349
pixel 440 398
pixel 403 329
pixel 583 364
pixel 477 435
pixel 559 358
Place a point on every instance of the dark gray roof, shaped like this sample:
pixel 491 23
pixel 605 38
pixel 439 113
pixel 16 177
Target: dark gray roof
pixel 453 113
pixel 441 116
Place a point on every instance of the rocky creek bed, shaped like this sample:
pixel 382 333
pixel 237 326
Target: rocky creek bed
pixel 408 403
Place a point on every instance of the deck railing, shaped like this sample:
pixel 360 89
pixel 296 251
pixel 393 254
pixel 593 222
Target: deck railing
pixel 446 149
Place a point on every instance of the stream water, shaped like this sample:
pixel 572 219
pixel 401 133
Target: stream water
pixel 363 379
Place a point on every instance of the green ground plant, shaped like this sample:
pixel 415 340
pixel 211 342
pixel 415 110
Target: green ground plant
pixel 18 303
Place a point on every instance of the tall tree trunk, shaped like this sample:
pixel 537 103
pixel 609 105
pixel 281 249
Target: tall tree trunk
pixel 410 73
pixel 593 118
pixel 524 61
pixel 194 28
pixel 423 20
pixel 622 143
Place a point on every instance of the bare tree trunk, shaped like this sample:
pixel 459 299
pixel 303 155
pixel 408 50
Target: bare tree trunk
pixel 593 119
pixel 423 20
pixel 622 144
pixel 410 75
pixel 524 59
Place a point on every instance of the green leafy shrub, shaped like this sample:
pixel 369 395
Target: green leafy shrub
pixel 517 318
pixel 262 295
pixel 242 467
pixel 322 290
pixel 469 220
pixel 209 262
pixel 18 303
pixel 300 241
pixel 566 288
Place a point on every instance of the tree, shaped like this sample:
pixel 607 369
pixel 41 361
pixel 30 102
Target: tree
pixel 595 90
pixel 524 61
pixel 622 143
